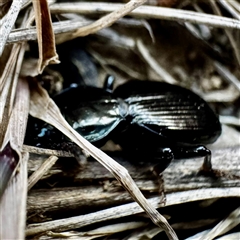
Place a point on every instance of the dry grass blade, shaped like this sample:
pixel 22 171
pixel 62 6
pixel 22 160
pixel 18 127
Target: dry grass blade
pixel 85 220
pixel 19 115
pixel 229 94
pixel 109 19
pixel 230 9
pixel 14 117
pixel 102 231
pixel 150 12
pixel 175 180
pixel 8 23
pixel 46 38
pixel 13 139
pixel 8 83
pixel 147 234
pixel 41 171
pixel 235 4
pixel 72 235
pixel 227 75
pixel 224 226
pixel 127 210
pixel 162 73
pixel 87 201
pixel 42 107
pixel 141 12
pixel 14 108
pixel 231 236
pixel 201 194
pixel 13 205
pixel 230 120
pixel 229 34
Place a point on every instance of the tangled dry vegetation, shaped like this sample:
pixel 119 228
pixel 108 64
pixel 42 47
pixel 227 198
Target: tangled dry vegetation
pixel 47 194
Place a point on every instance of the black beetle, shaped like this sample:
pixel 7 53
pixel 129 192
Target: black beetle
pixel 152 120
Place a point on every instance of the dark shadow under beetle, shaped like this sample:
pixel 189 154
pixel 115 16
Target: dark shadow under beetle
pixel 150 120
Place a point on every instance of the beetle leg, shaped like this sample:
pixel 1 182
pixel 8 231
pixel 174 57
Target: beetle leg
pixel 194 152
pixel 160 180
pixel 207 163
pixel 163 157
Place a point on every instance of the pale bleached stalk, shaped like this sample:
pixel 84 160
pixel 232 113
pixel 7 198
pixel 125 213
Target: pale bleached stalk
pixel 149 12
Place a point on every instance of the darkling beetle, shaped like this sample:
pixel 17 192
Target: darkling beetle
pixel 153 121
